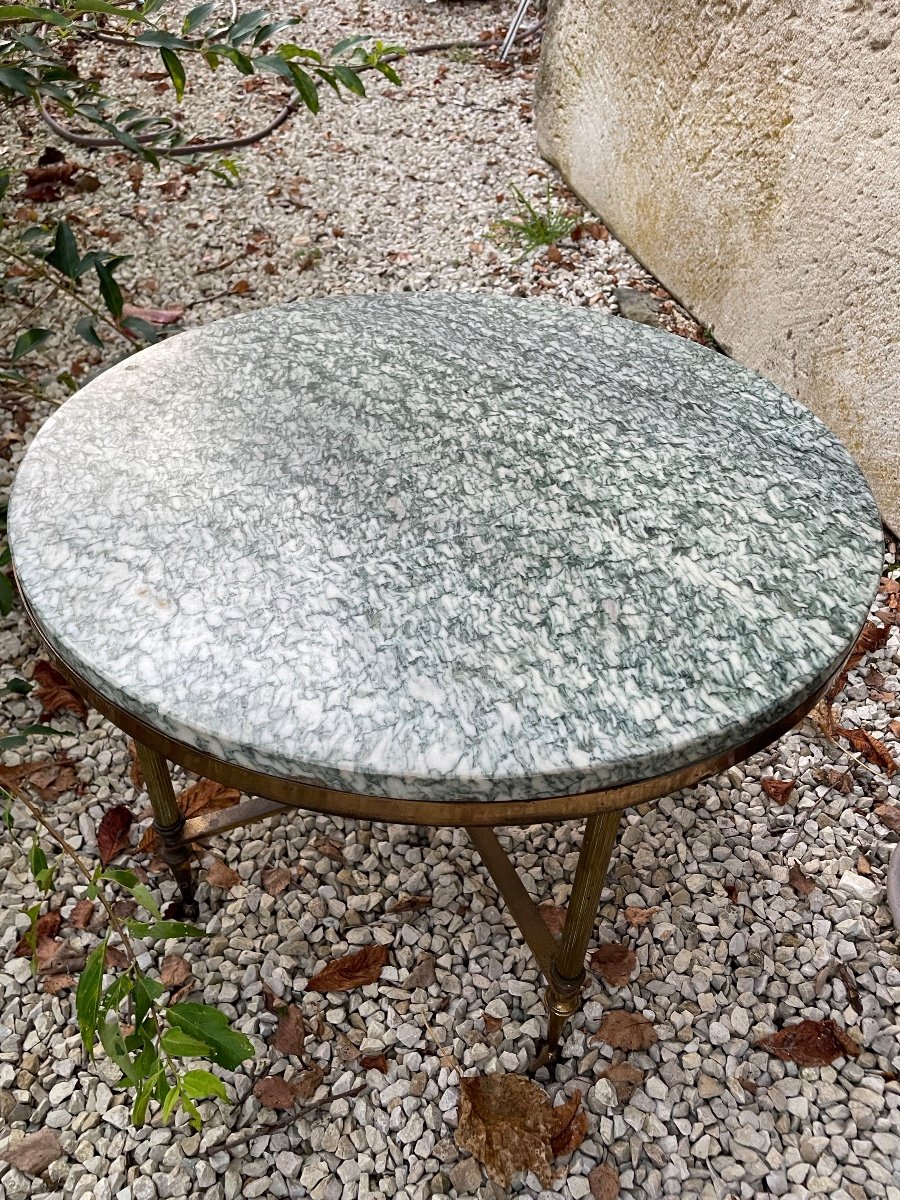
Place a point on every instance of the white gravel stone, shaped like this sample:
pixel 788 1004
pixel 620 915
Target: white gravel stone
pixel 860 887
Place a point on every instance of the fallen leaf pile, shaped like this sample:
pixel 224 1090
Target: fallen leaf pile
pixel 509 1124
pixel 50 778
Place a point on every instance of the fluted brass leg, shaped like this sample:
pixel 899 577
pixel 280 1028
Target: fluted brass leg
pixel 168 821
pixel 566 979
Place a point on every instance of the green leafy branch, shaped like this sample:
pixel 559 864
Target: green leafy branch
pixel 149 1040
pixel 34 65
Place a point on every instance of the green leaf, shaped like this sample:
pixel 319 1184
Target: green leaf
pixel 388 72
pixel 350 80
pixel 175 67
pixel 169 1103
pixel 145 992
pixel 10 743
pixel 33 730
pixel 109 289
pixel 309 93
pixel 116 993
pixel 346 44
pixel 6 598
pixel 156 39
pixel 141 329
pixel 64 255
pixel 20 686
pixel 184 1045
pixel 228 1047
pixel 243 63
pixel 144 897
pixel 111 10
pixel 27 12
pixel 245 25
pixel 192 1111
pixel 197 16
pixel 126 879
pixel 200 1084
pixel 289 50
pixel 17 80
pixel 113 1043
pixel 164 929
pixel 28 341
pixel 141 1100
pixel 87 996
pixel 4 183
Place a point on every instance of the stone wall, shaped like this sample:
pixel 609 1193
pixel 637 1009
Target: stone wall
pixel 748 153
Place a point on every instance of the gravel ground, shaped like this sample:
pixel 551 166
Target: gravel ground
pixel 401 193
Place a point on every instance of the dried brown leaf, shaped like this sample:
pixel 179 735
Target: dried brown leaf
pixel 863 866
pixel 841 781
pixel 124 908
pixel 112 836
pixel 81 914
pixel 275 880
pixel 308 1083
pixel 554 917
pixel 351 971
pixel 799 881
pixel 50 778
pixel 889 814
pixel 174 970
pixel 778 790
pixel 45 929
pixel 810 1043
pixel 748 1085
pixel 328 848
pixel 625 1030
pixel 508 1123
pixel 275 1092
pixel 137 775
pixel 154 316
pixel 851 988
pixel 640 916
pixel 492 1024
pixel 874 751
pixel 603 1181
pixel 33 1153
pixel 344 1049
pixel 206 796
pixel 55 692
pixel 411 904
pixel 422 974
pixel 625 1078
pixel 895 728
pixel 116 959
pixel 614 962
pixel 573 1131
pixel 220 875
pixel 54 984
pixel 290 1031
pixel 374 1062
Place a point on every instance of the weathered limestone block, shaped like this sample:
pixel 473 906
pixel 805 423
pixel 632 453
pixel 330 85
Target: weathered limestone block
pixel 748 152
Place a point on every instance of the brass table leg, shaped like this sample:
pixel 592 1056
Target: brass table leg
pixel 566 980
pixel 168 822
pixel 561 960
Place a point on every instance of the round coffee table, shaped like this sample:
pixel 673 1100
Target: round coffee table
pixel 443 559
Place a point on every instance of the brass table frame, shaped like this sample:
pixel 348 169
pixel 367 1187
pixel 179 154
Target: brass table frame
pixel 561 959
